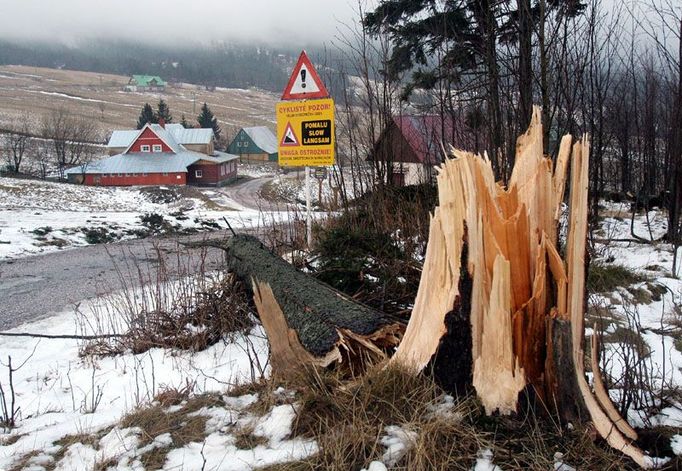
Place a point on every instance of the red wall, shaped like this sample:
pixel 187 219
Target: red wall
pixel 138 179
pixel 148 138
pixel 210 173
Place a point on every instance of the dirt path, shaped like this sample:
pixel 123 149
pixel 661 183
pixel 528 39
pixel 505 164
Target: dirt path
pixel 246 195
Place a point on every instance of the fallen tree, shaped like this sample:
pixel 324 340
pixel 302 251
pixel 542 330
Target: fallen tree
pixel 306 321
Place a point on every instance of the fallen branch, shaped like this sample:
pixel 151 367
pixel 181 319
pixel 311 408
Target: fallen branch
pixel 58 336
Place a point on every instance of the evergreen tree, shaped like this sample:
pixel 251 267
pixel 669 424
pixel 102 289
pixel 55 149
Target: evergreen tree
pixel 162 111
pixel 146 116
pixel 207 120
pixel 184 123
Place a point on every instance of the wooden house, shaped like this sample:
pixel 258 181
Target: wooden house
pixel 256 143
pixel 413 145
pixel 145 83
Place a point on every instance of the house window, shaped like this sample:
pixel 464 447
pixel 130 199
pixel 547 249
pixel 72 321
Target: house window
pixel 134 174
pixel 144 148
pixel 198 173
pixel 144 174
pixel 157 147
pixel 120 174
pixel 165 174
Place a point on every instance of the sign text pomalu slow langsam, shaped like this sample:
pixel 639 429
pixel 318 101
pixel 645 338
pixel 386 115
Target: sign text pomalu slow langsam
pixel 305 132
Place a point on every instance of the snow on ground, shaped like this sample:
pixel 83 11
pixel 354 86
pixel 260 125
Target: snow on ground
pixel 256 170
pixel 61 394
pixel 38 216
pixel 655 317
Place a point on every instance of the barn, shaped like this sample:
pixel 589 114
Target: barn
pixel 159 155
pixel 256 143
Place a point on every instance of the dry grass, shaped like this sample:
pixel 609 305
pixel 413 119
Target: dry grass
pixel 24 461
pixel 348 421
pixel 183 426
pixel 99 96
pixel 246 440
pixel 170 309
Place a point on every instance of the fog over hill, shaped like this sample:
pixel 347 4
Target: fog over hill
pixel 214 43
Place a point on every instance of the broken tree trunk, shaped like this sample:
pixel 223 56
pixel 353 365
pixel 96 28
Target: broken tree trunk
pixel 308 322
pixel 493 250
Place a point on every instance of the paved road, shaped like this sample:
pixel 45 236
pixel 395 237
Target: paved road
pixel 36 287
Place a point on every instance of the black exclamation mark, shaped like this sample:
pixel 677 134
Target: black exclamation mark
pixel 303 74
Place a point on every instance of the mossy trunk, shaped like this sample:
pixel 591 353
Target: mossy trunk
pixel 329 326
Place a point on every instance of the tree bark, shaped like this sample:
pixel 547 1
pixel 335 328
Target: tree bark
pixel 307 321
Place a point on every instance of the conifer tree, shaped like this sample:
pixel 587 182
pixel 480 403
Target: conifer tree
pixel 207 120
pixel 162 111
pixel 184 123
pixel 146 116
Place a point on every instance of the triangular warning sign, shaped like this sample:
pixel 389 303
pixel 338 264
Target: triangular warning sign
pixel 289 138
pixel 304 82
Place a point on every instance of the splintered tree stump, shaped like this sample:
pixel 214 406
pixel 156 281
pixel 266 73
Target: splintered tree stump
pixel 308 322
pixel 493 268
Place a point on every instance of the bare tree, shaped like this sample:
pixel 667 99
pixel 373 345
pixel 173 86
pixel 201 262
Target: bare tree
pixel 17 142
pixel 73 138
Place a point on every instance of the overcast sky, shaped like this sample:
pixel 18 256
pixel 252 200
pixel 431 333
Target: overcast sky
pixel 286 22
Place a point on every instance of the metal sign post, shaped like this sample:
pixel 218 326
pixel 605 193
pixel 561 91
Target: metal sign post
pixel 309 209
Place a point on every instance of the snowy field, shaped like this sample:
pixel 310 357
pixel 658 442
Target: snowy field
pixel 63 395
pixel 38 216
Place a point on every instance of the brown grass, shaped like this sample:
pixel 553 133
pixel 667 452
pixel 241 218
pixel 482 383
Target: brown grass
pixel 246 440
pixel 22 92
pixel 348 421
pixel 183 427
pixel 24 461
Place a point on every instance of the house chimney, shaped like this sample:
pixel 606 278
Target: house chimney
pixel 162 123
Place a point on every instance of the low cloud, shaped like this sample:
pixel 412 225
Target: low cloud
pixel 285 22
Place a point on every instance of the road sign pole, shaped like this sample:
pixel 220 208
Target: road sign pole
pixel 309 209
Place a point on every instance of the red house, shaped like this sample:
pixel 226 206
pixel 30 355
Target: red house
pixel 413 145
pixel 159 155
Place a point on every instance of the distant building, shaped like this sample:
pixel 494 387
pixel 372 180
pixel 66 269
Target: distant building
pixel 414 145
pixel 256 143
pixel 159 155
pixel 146 83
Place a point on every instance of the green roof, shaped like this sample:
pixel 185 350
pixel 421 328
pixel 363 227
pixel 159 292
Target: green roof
pixel 143 80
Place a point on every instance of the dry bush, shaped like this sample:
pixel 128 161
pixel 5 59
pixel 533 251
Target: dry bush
pixel 167 307
pixel 172 396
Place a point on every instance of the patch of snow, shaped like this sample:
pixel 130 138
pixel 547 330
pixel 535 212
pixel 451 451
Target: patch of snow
pixel 62 394
pixel 484 462
pixel 398 441
pixel 676 444
pixel 276 425
pixel 559 464
pixel 375 466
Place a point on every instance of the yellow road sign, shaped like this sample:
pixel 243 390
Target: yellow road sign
pixel 305 132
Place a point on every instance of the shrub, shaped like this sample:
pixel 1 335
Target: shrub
pixel 605 278
pixel 98 235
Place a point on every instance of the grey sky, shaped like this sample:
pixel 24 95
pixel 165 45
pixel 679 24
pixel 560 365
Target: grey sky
pixel 287 22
